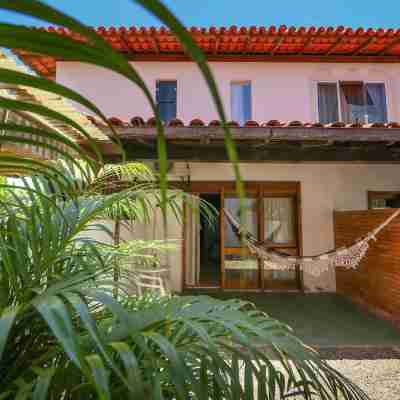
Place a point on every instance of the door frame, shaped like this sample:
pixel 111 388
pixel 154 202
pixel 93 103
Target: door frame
pixel 262 188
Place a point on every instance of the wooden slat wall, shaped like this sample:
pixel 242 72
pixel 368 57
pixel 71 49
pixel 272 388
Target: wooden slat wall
pixel 27 149
pixel 376 283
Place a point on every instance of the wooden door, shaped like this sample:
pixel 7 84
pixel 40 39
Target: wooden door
pixel 272 213
pixel 241 270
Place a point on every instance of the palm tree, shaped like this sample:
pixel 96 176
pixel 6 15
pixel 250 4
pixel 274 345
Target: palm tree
pixel 63 335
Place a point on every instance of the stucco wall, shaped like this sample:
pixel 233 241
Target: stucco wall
pixel 285 91
pixel 324 188
pixel 152 231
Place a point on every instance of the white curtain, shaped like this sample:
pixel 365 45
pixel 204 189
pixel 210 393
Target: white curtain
pixel 249 219
pixel 353 104
pixel 241 102
pixel 376 102
pixel 328 105
pixel 192 244
pixel 279 219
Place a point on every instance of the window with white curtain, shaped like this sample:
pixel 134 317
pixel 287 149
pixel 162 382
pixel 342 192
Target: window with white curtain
pixel 328 103
pixel 241 102
pixel 279 219
pixel 360 102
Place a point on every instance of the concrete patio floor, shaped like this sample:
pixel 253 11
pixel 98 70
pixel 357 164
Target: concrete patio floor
pixel 322 320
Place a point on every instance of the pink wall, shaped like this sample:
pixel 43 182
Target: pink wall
pixel 285 91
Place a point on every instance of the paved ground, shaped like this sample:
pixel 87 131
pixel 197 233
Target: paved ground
pixel 361 346
pixel 323 319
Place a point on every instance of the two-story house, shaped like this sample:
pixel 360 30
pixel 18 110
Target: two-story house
pixel 311 111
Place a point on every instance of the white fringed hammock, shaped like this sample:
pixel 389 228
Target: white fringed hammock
pixel 347 257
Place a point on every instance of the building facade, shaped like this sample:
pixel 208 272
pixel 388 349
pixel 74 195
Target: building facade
pixel 312 113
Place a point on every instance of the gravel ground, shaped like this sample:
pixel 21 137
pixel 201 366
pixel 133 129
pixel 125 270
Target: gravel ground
pixel 376 371
pixel 380 379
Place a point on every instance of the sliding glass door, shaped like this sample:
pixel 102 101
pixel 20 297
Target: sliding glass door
pixel 271 215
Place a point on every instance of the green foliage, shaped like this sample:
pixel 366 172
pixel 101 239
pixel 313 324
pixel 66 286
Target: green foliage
pixel 63 334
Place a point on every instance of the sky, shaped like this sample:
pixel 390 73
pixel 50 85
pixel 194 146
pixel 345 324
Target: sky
pixel 354 13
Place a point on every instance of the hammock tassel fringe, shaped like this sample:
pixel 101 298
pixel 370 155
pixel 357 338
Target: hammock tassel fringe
pixel 346 257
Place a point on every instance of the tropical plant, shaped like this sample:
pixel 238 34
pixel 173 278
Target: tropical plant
pixel 63 334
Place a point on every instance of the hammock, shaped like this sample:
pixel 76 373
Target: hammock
pixel 347 257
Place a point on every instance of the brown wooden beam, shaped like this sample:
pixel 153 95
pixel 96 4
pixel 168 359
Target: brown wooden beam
pixel 216 45
pixel 125 41
pixel 154 43
pixel 277 44
pixel 247 44
pixel 306 44
pixel 364 45
pixel 276 153
pixel 267 57
pixel 267 134
pixel 332 48
pixel 395 42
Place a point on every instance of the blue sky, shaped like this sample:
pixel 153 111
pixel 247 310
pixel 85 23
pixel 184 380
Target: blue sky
pixel 365 13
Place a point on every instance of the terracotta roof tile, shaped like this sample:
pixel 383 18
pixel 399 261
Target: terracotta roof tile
pixel 273 41
pixel 215 122
pixel 196 122
pixel 175 122
pixel 137 121
pixel 151 122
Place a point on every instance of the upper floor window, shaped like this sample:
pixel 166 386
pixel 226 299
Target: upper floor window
pixel 166 99
pixel 352 102
pixel 241 102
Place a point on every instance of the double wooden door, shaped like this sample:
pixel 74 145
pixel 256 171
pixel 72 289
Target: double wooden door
pixel 271 212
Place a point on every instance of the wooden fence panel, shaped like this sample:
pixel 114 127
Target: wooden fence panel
pixel 376 283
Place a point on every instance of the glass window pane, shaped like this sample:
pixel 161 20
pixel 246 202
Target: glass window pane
pixel 166 91
pixel 353 104
pixel 279 219
pixel 167 111
pixel 241 102
pixel 250 220
pixel 376 102
pixel 241 272
pixel 166 99
pixel 328 108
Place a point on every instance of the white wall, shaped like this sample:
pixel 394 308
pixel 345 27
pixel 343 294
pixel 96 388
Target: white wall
pixel 285 91
pixel 324 188
pixel 152 231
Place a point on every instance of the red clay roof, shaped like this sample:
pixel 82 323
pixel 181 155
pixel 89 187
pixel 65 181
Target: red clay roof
pixel 140 122
pixel 234 43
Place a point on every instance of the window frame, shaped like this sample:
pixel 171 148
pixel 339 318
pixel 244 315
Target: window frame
pixel 380 194
pixel 167 80
pixel 339 97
